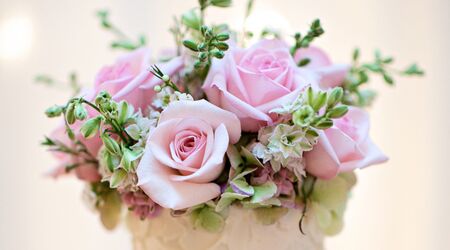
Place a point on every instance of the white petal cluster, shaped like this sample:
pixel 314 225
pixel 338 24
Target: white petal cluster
pixel 283 146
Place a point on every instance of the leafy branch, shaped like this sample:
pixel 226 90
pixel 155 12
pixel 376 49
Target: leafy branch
pixel 315 30
pixel 122 40
pixel 360 73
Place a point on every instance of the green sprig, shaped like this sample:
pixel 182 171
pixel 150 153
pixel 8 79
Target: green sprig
pixel 315 30
pixel 122 41
pixel 360 73
pixel 211 45
pixel 310 113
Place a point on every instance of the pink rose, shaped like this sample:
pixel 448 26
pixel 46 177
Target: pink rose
pixel 344 147
pixel 251 82
pixel 130 79
pixel 185 153
pixel 331 75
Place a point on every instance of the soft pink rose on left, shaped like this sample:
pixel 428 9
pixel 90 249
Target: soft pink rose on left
pixel 129 77
pixel 185 154
pixel 344 147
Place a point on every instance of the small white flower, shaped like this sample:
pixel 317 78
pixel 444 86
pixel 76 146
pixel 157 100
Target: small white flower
pixel 283 145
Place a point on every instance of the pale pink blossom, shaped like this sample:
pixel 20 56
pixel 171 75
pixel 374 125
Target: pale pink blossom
pixel 185 153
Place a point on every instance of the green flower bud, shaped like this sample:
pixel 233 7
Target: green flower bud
pixel 217 53
pixel 203 29
pixel 222 36
pixel 335 97
pixel 324 123
pixel 202 47
pixel 70 113
pixel 90 127
pixel 221 46
pixel 165 78
pixel 102 97
pixel 304 62
pixel 54 111
pixel 309 95
pixel 303 116
pixel 221 3
pixel 70 133
pixel 80 112
pixel 111 145
pixel 157 88
pixel 190 45
pixel 203 56
pixel 319 101
pixel 337 112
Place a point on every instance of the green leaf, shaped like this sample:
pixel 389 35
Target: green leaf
pixel 117 178
pixel 245 172
pixel 388 79
pixel 227 199
pixel 349 177
pixel 264 192
pixel 330 193
pixel 243 186
pixel 269 215
pixel 355 54
pixel 110 210
pixel 249 158
pixel 124 44
pixel 373 67
pixel 208 219
pixel 322 215
pixel 235 157
pixel 133 131
pixel 414 70
pixel 90 127
pixel 221 3
pixel 128 158
pixel 335 225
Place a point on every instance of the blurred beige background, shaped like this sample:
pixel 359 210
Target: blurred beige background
pixel 403 204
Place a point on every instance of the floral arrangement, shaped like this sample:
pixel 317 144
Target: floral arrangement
pixel 259 121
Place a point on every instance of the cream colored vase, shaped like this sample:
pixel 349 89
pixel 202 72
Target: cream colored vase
pixel 242 232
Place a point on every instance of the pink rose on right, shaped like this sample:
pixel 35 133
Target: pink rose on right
pixel 344 147
pixel 250 82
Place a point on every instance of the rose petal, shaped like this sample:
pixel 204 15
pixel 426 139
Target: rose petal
pixel 214 165
pixel 154 179
pixel 205 111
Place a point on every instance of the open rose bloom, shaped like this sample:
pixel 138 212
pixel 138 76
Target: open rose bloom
pixel 217 128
